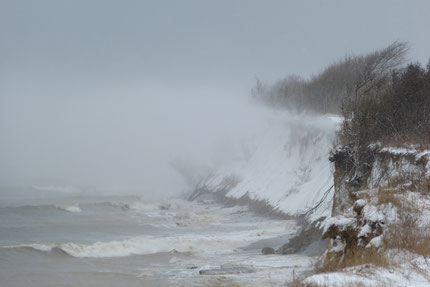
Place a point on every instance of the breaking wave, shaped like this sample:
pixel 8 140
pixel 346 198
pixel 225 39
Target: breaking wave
pixel 70 208
pixel 74 208
pixel 150 245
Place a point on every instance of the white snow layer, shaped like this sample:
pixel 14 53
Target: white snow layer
pixel 411 272
pixel 288 165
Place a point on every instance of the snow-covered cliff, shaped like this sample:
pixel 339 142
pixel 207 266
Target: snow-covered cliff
pixel 380 218
pixel 286 166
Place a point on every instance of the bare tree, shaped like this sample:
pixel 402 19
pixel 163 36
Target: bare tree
pixel 344 80
pixel 372 81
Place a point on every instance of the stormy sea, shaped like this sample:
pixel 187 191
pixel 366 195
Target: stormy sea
pixel 64 239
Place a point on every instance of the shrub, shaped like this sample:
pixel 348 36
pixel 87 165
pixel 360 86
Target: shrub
pixel 407 234
pixel 395 109
pixel 342 80
pixel 387 196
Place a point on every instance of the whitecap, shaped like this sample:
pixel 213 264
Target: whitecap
pixel 70 208
pixel 189 244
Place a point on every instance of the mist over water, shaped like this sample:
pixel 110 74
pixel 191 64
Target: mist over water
pixel 108 94
pixel 111 110
pixel 120 136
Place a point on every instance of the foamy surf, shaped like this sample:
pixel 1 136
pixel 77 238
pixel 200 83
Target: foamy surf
pixel 197 244
pixel 70 208
pixel 169 239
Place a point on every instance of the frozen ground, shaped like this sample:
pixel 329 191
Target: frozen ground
pixel 408 270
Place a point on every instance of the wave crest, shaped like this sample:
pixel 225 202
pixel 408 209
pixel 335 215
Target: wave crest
pixel 143 246
pixel 70 208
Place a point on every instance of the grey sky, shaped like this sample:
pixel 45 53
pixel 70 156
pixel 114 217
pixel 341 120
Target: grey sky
pixel 212 42
pixel 93 89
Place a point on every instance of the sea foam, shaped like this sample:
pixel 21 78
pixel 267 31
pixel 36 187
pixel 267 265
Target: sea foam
pixel 201 244
pixel 70 208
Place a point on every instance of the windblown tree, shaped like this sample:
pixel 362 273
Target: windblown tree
pixel 342 80
pixel 372 81
pixel 396 109
pixel 378 97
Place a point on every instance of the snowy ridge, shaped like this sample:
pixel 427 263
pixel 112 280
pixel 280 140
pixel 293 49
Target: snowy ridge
pixel 288 166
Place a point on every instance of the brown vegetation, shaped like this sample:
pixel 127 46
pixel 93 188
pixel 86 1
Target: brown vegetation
pixel 383 104
pixel 407 234
pixel 354 257
pixel 395 108
pixel 388 196
pixel 326 91
pixel 379 99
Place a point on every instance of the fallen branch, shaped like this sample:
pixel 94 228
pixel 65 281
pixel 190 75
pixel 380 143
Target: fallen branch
pixel 323 198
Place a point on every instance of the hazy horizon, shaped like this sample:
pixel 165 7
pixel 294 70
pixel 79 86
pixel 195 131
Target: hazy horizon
pixel 108 93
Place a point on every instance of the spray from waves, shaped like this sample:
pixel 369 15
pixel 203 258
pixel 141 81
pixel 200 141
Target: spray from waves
pixel 136 203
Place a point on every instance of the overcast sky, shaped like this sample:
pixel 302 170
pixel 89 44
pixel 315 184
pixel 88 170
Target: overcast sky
pixel 103 92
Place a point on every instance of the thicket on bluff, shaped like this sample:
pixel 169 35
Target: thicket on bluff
pixel 394 109
pixel 326 91
pixel 378 97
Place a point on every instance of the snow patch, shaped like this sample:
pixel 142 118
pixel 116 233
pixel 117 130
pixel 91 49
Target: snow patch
pixel 289 167
pixel 375 242
pixel 364 231
pixel 341 222
pixel 338 245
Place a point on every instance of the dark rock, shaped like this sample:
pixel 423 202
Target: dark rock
pixel 165 206
pixel 285 249
pixel 267 250
pixel 308 235
pixel 358 207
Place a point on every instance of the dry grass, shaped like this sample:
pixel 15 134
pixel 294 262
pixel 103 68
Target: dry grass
pixel 396 193
pixel 407 181
pixel 419 142
pixel 386 196
pixel 423 186
pixel 352 257
pixel 409 194
pixel 409 235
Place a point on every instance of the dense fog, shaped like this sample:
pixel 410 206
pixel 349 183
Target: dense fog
pixel 120 95
pixel 120 137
